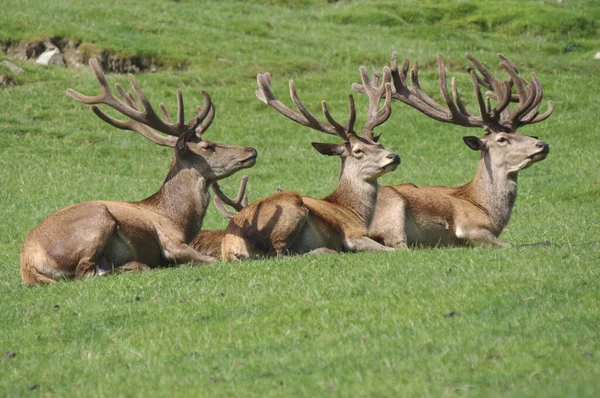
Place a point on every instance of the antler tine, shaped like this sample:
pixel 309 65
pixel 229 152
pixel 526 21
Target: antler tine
pixel 207 121
pixel 240 201
pixel 381 116
pixel 133 125
pixel 415 97
pixel 457 116
pixel 351 114
pixel 141 121
pixel 375 92
pixel 502 90
pixel 532 115
pixel 530 97
pixel 165 113
pixel 221 207
pixel 483 108
pixel 305 118
pixel 203 112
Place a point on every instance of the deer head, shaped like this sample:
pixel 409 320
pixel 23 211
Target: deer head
pixel 212 161
pixel 506 149
pixel 362 157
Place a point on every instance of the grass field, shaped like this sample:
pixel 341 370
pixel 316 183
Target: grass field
pixel 445 322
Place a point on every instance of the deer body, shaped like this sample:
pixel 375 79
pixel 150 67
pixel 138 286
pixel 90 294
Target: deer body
pixel 477 212
pixel 288 223
pixel 472 214
pixel 101 236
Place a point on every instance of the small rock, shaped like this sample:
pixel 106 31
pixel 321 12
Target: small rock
pixel 32 387
pixel 12 67
pixel 11 354
pixel 50 57
pixel 597 55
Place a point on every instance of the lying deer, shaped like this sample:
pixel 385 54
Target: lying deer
pixel 477 212
pixel 289 223
pixel 100 236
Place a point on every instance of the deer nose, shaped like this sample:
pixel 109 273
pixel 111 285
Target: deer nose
pixel 250 149
pixel 544 146
pixel 395 158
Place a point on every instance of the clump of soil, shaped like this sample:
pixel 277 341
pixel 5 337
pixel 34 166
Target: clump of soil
pixel 76 54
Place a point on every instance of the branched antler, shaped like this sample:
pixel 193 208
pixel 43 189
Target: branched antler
pixel 240 201
pixel 498 118
pixel 305 118
pixel 143 119
pixel 375 92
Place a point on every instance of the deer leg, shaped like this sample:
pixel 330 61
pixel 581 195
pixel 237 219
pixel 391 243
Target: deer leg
pixel 364 244
pixel 391 229
pixel 283 239
pixel 85 268
pixel 184 254
pixel 133 266
pixel 97 242
pixel 320 250
pixel 482 237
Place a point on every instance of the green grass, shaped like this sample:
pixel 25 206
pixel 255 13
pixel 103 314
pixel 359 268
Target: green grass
pixel 526 320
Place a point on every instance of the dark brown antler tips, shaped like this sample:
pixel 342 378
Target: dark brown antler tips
pixel 508 62
pixel 394 61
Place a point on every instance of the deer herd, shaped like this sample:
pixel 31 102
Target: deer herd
pixel 165 229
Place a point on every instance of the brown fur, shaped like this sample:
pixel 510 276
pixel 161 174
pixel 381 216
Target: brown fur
pixel 287 223
pixel 472 214
pixel 208 242
pixel 102 236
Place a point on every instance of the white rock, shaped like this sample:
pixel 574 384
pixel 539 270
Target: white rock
pixel 597 55
pixel 12 67
pixel 50 57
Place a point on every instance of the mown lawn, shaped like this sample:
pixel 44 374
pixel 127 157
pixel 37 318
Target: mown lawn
pixel 466 322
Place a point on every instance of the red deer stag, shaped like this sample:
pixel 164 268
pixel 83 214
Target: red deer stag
pixel 101 236
pixel 289 223
pixel 477 212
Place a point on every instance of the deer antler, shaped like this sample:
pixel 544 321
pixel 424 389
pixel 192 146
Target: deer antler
pixel 529 98
pixel 498 118
pixel 305 118
pixel 145 121
pixel 240 201
pixel 376 116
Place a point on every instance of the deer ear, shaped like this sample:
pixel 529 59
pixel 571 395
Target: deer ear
pixel 329 149
pixel 474 143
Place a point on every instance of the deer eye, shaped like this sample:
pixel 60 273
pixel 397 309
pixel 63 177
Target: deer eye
pixel 358 151
pixel 501 140
pixel 209 148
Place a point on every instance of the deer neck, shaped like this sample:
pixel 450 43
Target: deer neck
pixel 494 190
pixel 358 196
pixel 183 198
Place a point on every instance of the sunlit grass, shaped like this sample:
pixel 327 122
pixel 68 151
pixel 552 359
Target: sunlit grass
pixel 487 322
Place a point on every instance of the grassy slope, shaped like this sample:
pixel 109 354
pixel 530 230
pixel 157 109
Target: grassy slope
pixel 365 324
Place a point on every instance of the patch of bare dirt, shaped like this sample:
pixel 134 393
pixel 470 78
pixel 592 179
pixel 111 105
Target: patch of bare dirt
pixel 76 54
